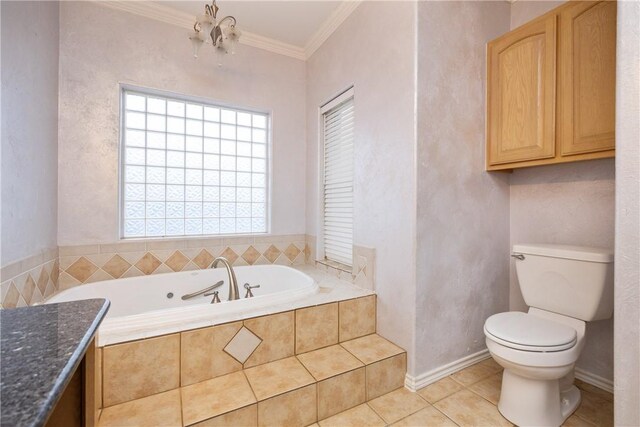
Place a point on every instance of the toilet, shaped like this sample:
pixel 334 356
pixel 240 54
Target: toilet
pixel 564 287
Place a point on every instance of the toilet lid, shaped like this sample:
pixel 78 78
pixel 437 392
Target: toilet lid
pixel 527 332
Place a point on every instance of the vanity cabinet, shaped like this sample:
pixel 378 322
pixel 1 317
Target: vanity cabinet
pixel 551 88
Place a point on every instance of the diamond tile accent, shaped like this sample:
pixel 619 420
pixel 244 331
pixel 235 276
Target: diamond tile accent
pixel 28 288
pixel 148 263
pixel 292 252
pixel 82 269
pixel 177 261
pixel 116 266
pixel 12 296
pixel 242 345
pixel 203 259
pixel 55 273
pixel 230 255
pixel 43 280
pixel 272 253
pixel 251 255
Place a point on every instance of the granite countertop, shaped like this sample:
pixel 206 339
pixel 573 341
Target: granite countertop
pixel 40 349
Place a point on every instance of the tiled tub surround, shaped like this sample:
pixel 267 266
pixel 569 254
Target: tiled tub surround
pixel 30 280
pixel 292 368
pixel 92 263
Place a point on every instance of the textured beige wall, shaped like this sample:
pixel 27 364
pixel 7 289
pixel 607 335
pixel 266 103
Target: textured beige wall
pixel 523 11
pixel 101 48
pixel 627 269
pixel 463 211
pixel 29 128
pixel 382 70
pixel 569 204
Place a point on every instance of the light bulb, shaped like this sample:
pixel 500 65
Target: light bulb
pixel 206 23
pixel 196 42
pixel 233 37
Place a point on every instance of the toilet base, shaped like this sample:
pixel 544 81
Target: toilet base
pixel 530 402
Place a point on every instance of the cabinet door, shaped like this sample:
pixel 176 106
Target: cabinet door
pixel 521 94
pixel 587 77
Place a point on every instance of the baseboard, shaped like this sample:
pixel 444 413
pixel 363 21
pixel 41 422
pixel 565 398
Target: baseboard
pixel 423 380
pixel 594 380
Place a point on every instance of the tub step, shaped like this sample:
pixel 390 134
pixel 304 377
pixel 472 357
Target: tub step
pixel 298 390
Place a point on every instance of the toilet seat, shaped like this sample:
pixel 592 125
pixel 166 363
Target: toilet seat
pixel 531 333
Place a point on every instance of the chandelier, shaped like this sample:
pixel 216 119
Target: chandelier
pixel 224 34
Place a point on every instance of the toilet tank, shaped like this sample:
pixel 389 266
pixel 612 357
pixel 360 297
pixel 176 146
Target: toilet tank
pixel 574 281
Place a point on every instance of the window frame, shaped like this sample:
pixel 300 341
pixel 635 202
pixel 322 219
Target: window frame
pixel 181 97
pixel 342 96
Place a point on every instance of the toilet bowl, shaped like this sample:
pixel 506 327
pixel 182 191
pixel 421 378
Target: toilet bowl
pixel 564 286
pixel 538 351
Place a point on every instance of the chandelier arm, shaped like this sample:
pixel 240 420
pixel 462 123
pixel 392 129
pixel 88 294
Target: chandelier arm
pixel 226 18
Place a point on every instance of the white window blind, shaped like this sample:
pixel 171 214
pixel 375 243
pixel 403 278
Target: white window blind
pixel 338 119
pixel 192 168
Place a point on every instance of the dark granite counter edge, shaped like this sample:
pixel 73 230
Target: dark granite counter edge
pixel 65 375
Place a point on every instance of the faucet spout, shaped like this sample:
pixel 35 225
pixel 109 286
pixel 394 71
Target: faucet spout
pixel 234 293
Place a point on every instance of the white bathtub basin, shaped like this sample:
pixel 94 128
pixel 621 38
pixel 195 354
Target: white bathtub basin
pixel 142 306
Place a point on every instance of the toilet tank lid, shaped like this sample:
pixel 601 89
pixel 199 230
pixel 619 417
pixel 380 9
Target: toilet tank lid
pixel 580 253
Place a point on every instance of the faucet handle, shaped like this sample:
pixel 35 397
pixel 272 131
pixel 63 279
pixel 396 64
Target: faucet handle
pixel 216 298
pixel 248 287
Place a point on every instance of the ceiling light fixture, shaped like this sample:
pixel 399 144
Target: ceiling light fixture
pixel 224 34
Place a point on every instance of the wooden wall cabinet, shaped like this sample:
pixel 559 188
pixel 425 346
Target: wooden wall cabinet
pixel 551 88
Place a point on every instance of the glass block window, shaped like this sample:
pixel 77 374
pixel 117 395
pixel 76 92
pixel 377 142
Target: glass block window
pixel 191 168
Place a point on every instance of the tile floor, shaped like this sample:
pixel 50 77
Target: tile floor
pixel 465 398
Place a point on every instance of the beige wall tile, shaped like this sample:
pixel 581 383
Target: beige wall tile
pixel 158 410
pixel 215 397
pixel 203 259
pixel 295 408
pixel 244 417
pixel 148 263
pixel 341 392
pixel 316 327
pixel 361 415
pixel 277 334
pixel 278 377
pixel 177 261
pixel 439 390
pixel 357 317
pixel 82 269
pixel 140 368
pixel 371 348
pixel 329 361
pixel 398 404
pixel 429 416
pixel 468 409
pixel 202 353
pixel 386 375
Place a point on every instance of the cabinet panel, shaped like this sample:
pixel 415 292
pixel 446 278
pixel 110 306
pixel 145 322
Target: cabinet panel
pixel 587 73
pixel 521 94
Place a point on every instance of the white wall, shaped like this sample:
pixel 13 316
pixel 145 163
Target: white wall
pixel 627 268
pixel 101 48
pixel 569 204
pixel 382 68
pixel 463 211
pixel 29 128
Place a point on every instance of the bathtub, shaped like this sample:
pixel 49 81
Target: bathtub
pixel 148 306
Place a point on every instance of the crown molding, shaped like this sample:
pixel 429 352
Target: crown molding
pixel 337 17
pixel 184 20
